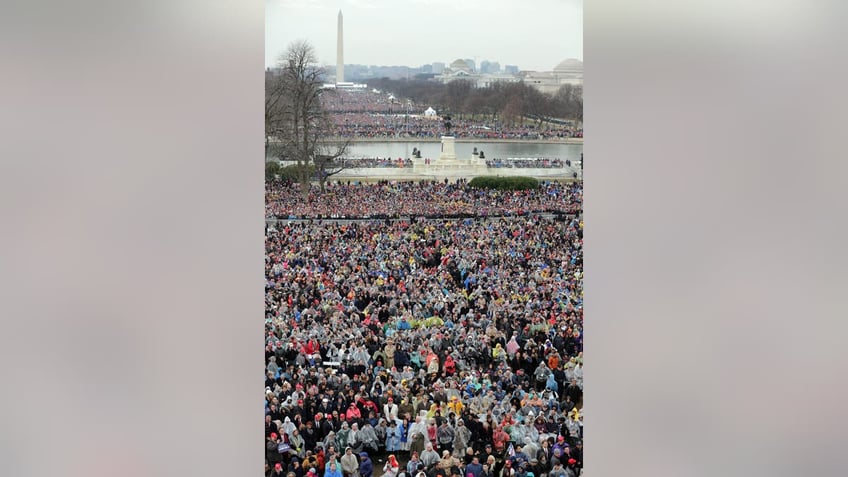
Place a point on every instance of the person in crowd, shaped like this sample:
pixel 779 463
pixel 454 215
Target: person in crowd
pixel 366 467
pixel 392 467
pixel 350 464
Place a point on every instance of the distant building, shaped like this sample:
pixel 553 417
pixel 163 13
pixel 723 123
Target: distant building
pixel 426 69
pixel 511 69
pixel 471 64
pixel 490 67
pixel 569 71
pixel 484 81
pixel 461 70
pixel 460 66
pixel 438 68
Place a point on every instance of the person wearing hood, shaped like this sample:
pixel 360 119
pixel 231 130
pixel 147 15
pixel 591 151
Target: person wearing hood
pixel 558 470
pixel 350 464
pixel 531 449
pixel 445 435
pixel 297 444
pixel 368 437
pixel 574 428
pixel 417 435
pixel 366 467
pixel 393 435
pixel 462 436
pixel 429 457
pixel 288 426
pixel 332 470
pixel 447 462
pixel 498 353
pixel 382 432
pixel 391 467
pixel 343 436
pixel 295 467
pixel 541 374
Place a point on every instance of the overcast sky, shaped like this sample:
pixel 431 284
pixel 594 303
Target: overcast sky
pixel 535 35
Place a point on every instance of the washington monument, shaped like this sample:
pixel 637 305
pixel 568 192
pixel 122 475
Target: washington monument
pixel 340 51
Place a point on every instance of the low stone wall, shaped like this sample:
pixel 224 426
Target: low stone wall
pixel 419 173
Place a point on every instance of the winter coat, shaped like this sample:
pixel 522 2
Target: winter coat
pixel 366 468
pixel 350 464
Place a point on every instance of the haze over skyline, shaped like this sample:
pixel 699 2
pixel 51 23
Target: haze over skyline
pixel 534 36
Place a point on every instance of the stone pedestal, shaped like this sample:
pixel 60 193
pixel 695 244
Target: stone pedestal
pixel 448 148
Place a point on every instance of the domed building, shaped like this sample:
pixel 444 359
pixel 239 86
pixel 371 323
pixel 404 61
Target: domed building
pixel 568 71
pixel 460 65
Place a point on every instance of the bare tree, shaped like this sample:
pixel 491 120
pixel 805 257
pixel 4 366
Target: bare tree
pixel 296 122
pixel 569 100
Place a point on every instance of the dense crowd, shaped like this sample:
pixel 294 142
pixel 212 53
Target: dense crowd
pixel 360 125
pixel 370 114
pixel 365 162
pixel 453 348
pixel 365 101
pixel 416 199
pixel 534 162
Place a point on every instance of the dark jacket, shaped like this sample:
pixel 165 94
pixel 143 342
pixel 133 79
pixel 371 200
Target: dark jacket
pixel 366 468
pixel 474 469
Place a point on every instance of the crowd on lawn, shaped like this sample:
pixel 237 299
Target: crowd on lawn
pixel 533 162
pixel 390 199
pixel 366 162
pixel 367 101
pixel 367 114
pixel 361 125
pixel 424 347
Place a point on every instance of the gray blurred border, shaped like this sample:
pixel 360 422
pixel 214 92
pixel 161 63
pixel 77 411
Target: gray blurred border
pixel 132 233
pixel 715 224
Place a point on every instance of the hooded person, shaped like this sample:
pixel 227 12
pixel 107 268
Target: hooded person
pixel 350 463
pixel 332 470
pixel 462 436
pixel 368 437
pixel 429 457
pixel 343 436
pixel 393 436
pixel 447 462
pixel 530 449
pixel 366 467
pixel 418 435
pixel 288 427
pixel 512 346
pixel 391 467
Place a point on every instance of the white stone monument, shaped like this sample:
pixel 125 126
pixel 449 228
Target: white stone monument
pixel 448 149
pixel 340 50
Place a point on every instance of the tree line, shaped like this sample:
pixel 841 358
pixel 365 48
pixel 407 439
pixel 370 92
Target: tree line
pixel 298 127
pixel 507 102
